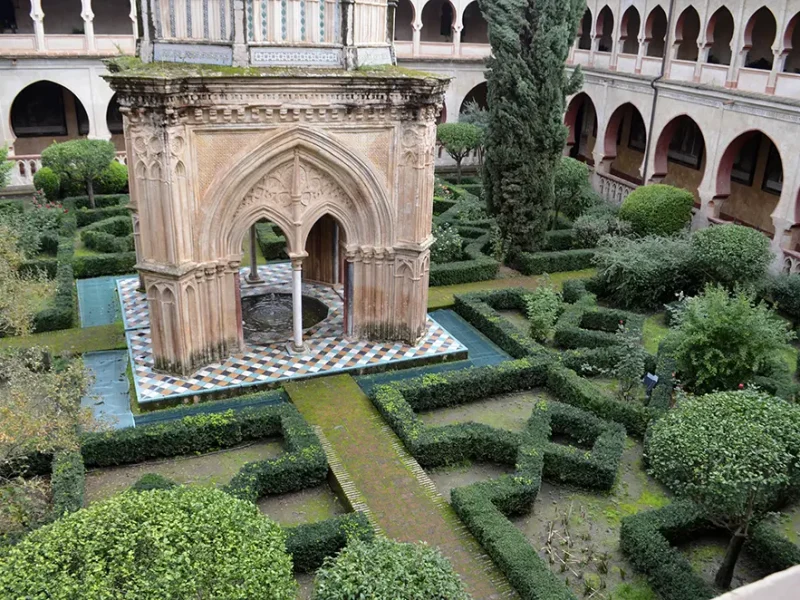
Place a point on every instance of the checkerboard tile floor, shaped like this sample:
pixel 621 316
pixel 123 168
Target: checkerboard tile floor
pixel 270 363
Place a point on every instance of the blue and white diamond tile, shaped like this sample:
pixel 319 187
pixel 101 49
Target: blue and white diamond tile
pixel 271 362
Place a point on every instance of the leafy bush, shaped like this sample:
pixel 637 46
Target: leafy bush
pixel 109 243
pixel 45 179
pixel 152 481
pixel 724 340
pixel 448 244
pixel 311 543
pixel 119 226
pixel 271 241
pixel 180 543
pixel 59 314
pixel 657 209
pixel 573 191
pixel 476 266
pixel 536 263
pixel 67 483
pixel 593 226
pixel 735 454
pixel 645 272
pixel 112 180
pixel 730 255
pixel 86 216
pixel 784 291
pixel 542 307
pixel 101 201
pixel 644 541
pixel 381 569
pixel 120 263
pixel 5 167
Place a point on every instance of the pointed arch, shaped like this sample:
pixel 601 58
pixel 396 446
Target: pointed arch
pixel 629 31
pixel 759 35
pixel 687 31
pixel 718 36
pixel 604 29
pixel 298 163
pixel 585 31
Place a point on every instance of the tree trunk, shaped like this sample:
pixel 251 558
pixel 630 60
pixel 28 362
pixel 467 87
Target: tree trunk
pixel 725 573
pixel 90 191
pixel 458 171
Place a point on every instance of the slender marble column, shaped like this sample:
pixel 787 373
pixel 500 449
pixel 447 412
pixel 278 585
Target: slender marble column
pixel 297 305
pixel 88 24
pixel 253 276
pixel 37 15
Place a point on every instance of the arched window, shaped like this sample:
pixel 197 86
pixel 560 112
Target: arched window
pixel 655 32
pixel 719 36
pixel 791 41
pixel 585 31
pixel 605 30
pixel 759 35
pixel 629 33
pixel 686 32
pixel 476 29
pixel 581 119
pixel 403 19
pixel 438 18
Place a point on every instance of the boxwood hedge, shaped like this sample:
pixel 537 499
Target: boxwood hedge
pixel 309 544
pixel 536 263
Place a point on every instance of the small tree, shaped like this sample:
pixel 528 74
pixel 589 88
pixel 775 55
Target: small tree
pixel 731 255
pixel 527 88
pixel 5 167
pixel 459 139
pixel 80 160
pixel 474 114
pixel 733 453
pixel 573 194
pixel 724 340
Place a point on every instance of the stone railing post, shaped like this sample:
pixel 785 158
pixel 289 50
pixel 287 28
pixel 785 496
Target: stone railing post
pixel 88 24
pixel 37 15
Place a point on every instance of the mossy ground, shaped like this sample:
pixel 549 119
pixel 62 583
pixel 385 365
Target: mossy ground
pixel 73 341
pixel 306 506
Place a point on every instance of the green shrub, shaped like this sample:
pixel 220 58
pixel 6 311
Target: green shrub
pixel 476 267
pixel 109 243
pixel 101 201
pixel 120 263
pixel 724 340
pixel 11 207
pixel 536 263
pixel 448 244
pixel 271 241
pixel 593 226
pixel 573 190
pixel 542 307
pixel 657 209
pixel 643 273
pixel 60 313
pixel 645 541
pixel 112 180
pixel 380 570
pixel 584 325
pixel 181 543
pixel 87 216
pixel 46 180
pixel 152 481
pixel 771 550
pixel 119 226
pixel 561 239
pixel 784 291
pixel 573 290
pixel 67 483
pixel 311 543
pixel 730 255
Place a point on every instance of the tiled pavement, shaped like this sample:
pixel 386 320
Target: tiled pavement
pixel 271 362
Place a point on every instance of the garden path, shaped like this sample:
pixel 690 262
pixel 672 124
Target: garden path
pixel 403 501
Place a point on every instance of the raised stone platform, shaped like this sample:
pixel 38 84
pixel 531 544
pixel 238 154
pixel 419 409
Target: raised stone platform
pixel 270 364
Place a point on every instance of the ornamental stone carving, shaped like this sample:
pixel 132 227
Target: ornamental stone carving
pixel 211 157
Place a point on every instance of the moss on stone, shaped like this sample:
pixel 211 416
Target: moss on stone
pixel 128 66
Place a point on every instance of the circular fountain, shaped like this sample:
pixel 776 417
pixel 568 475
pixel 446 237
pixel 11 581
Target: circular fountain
pixel 267 318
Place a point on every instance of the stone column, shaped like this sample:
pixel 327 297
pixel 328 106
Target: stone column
pixel 37 15
pixel 297 345
pixel 457 29
pixel 779 59
pixel 134 20
pixel 416 28
pixel 88 24
pixel 239 45
pixel 643 43
pixel 137 243
pixel 348 25
pixel 335 253
pixel 348 294
pixel 253 276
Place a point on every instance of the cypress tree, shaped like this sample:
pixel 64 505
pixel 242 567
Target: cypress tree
pixel 528 86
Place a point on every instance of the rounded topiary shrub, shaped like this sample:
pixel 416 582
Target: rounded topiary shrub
pixel 113 179
pixel 387 570
pixel 730 254
pixel 46 180
pixel 657 209
pixel 152 481
pixel 177 543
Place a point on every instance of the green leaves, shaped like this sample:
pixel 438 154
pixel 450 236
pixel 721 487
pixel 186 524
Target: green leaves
pixel 459 139
pixel 658 209
pixel 178 543
pixel 731 452
pixel 383 569
pixel 731 254
pixel 723 341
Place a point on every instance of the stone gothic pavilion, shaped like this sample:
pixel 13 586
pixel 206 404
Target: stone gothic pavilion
pixel 289 111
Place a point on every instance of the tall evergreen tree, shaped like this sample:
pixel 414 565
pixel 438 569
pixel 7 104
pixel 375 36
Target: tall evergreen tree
pixel 528 86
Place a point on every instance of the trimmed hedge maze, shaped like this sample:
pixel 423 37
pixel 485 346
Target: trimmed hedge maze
pixel 484 507
pixel 302 465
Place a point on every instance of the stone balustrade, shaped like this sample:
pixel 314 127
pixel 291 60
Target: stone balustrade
pixel 612 188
